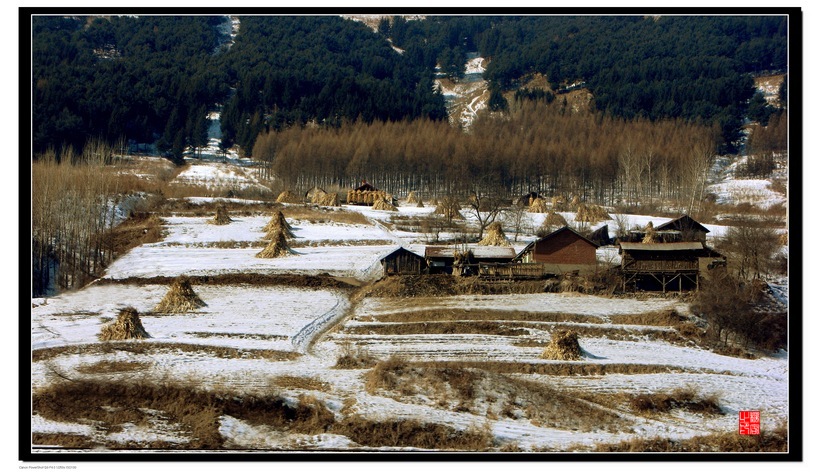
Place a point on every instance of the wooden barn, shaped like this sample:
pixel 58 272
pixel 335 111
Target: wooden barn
pixel 689 229
pixel 675 266
pixel 404 262
pixel 442 259
pixel 561 252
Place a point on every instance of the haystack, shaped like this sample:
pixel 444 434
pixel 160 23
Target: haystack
pixel 538 205
pixel 449 208
pixel 180 298
pixel 326 199
pixel 420 204
pixel 576 201
pixel 127 326
pixel 552 222
pixel 784 239
pixel 411 198
pixel 278 223
pixel 434 202
pixel 278 247
pixel 495 236
pixel 563 346
pixel 221 217
pixel 591 214
pixel 649 236
pixel 288 197
pixel 559 203
pixel 381 204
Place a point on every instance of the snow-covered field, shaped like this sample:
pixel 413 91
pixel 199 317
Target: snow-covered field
pixel 287 340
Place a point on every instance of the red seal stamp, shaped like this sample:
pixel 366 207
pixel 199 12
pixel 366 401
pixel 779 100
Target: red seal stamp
pixel 748 422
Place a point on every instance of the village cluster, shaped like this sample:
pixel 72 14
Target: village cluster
pixel 670 257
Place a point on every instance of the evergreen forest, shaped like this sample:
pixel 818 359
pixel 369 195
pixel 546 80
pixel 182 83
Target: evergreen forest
pixel 153 79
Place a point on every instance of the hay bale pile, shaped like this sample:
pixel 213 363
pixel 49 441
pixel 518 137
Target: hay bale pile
pixel 383 205
pixel 591 214
pixel 322 198
pixel 552 222
pixel 649 236
pixel 495 236
pixel 288 196
pixel 563 346
pixel 449 208
pixel 278 223
pixel 278 247
pixel 180 298
pixel 538 205
pixel 127 326
pixel 559 203
pixel 221 218
pixel 411 198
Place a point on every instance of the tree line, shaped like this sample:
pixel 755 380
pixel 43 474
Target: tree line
pixel 538 146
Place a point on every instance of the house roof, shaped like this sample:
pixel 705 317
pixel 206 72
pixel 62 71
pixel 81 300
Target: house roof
pixel 684 222
pixel 662 246
pixel 399 251
pixel 551 236
pixel 479 252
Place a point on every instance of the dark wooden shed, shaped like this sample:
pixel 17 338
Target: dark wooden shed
pixel 404 262
pixel 666 266
pixel 442 258
pixel 690 229
pixel 560 252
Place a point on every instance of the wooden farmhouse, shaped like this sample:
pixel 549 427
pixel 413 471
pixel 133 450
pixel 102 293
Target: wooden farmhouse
pixel 442 259
pixel 675 266
pixel 563 251
pixel 403 262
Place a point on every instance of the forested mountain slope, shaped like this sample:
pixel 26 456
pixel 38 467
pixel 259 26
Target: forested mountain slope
pixel 153 78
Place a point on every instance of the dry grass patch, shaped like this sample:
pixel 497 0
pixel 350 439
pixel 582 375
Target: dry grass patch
pixel 107 366
pixel 353 357
pixel 63 440
pixel 249 278
pixel 456 387
pixel 575 368
pixel 453 314
pixel 146 348
pixel 776 440
pixel 438 328
pixel 314 215
pixel 413 433
pixel 300 382
pixel 668 318
pixel 139 229
pixel 111 405
pixel 687 399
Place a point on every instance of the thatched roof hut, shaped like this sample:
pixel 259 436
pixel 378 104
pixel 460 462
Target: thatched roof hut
pixel 180 298
pixel 127 326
